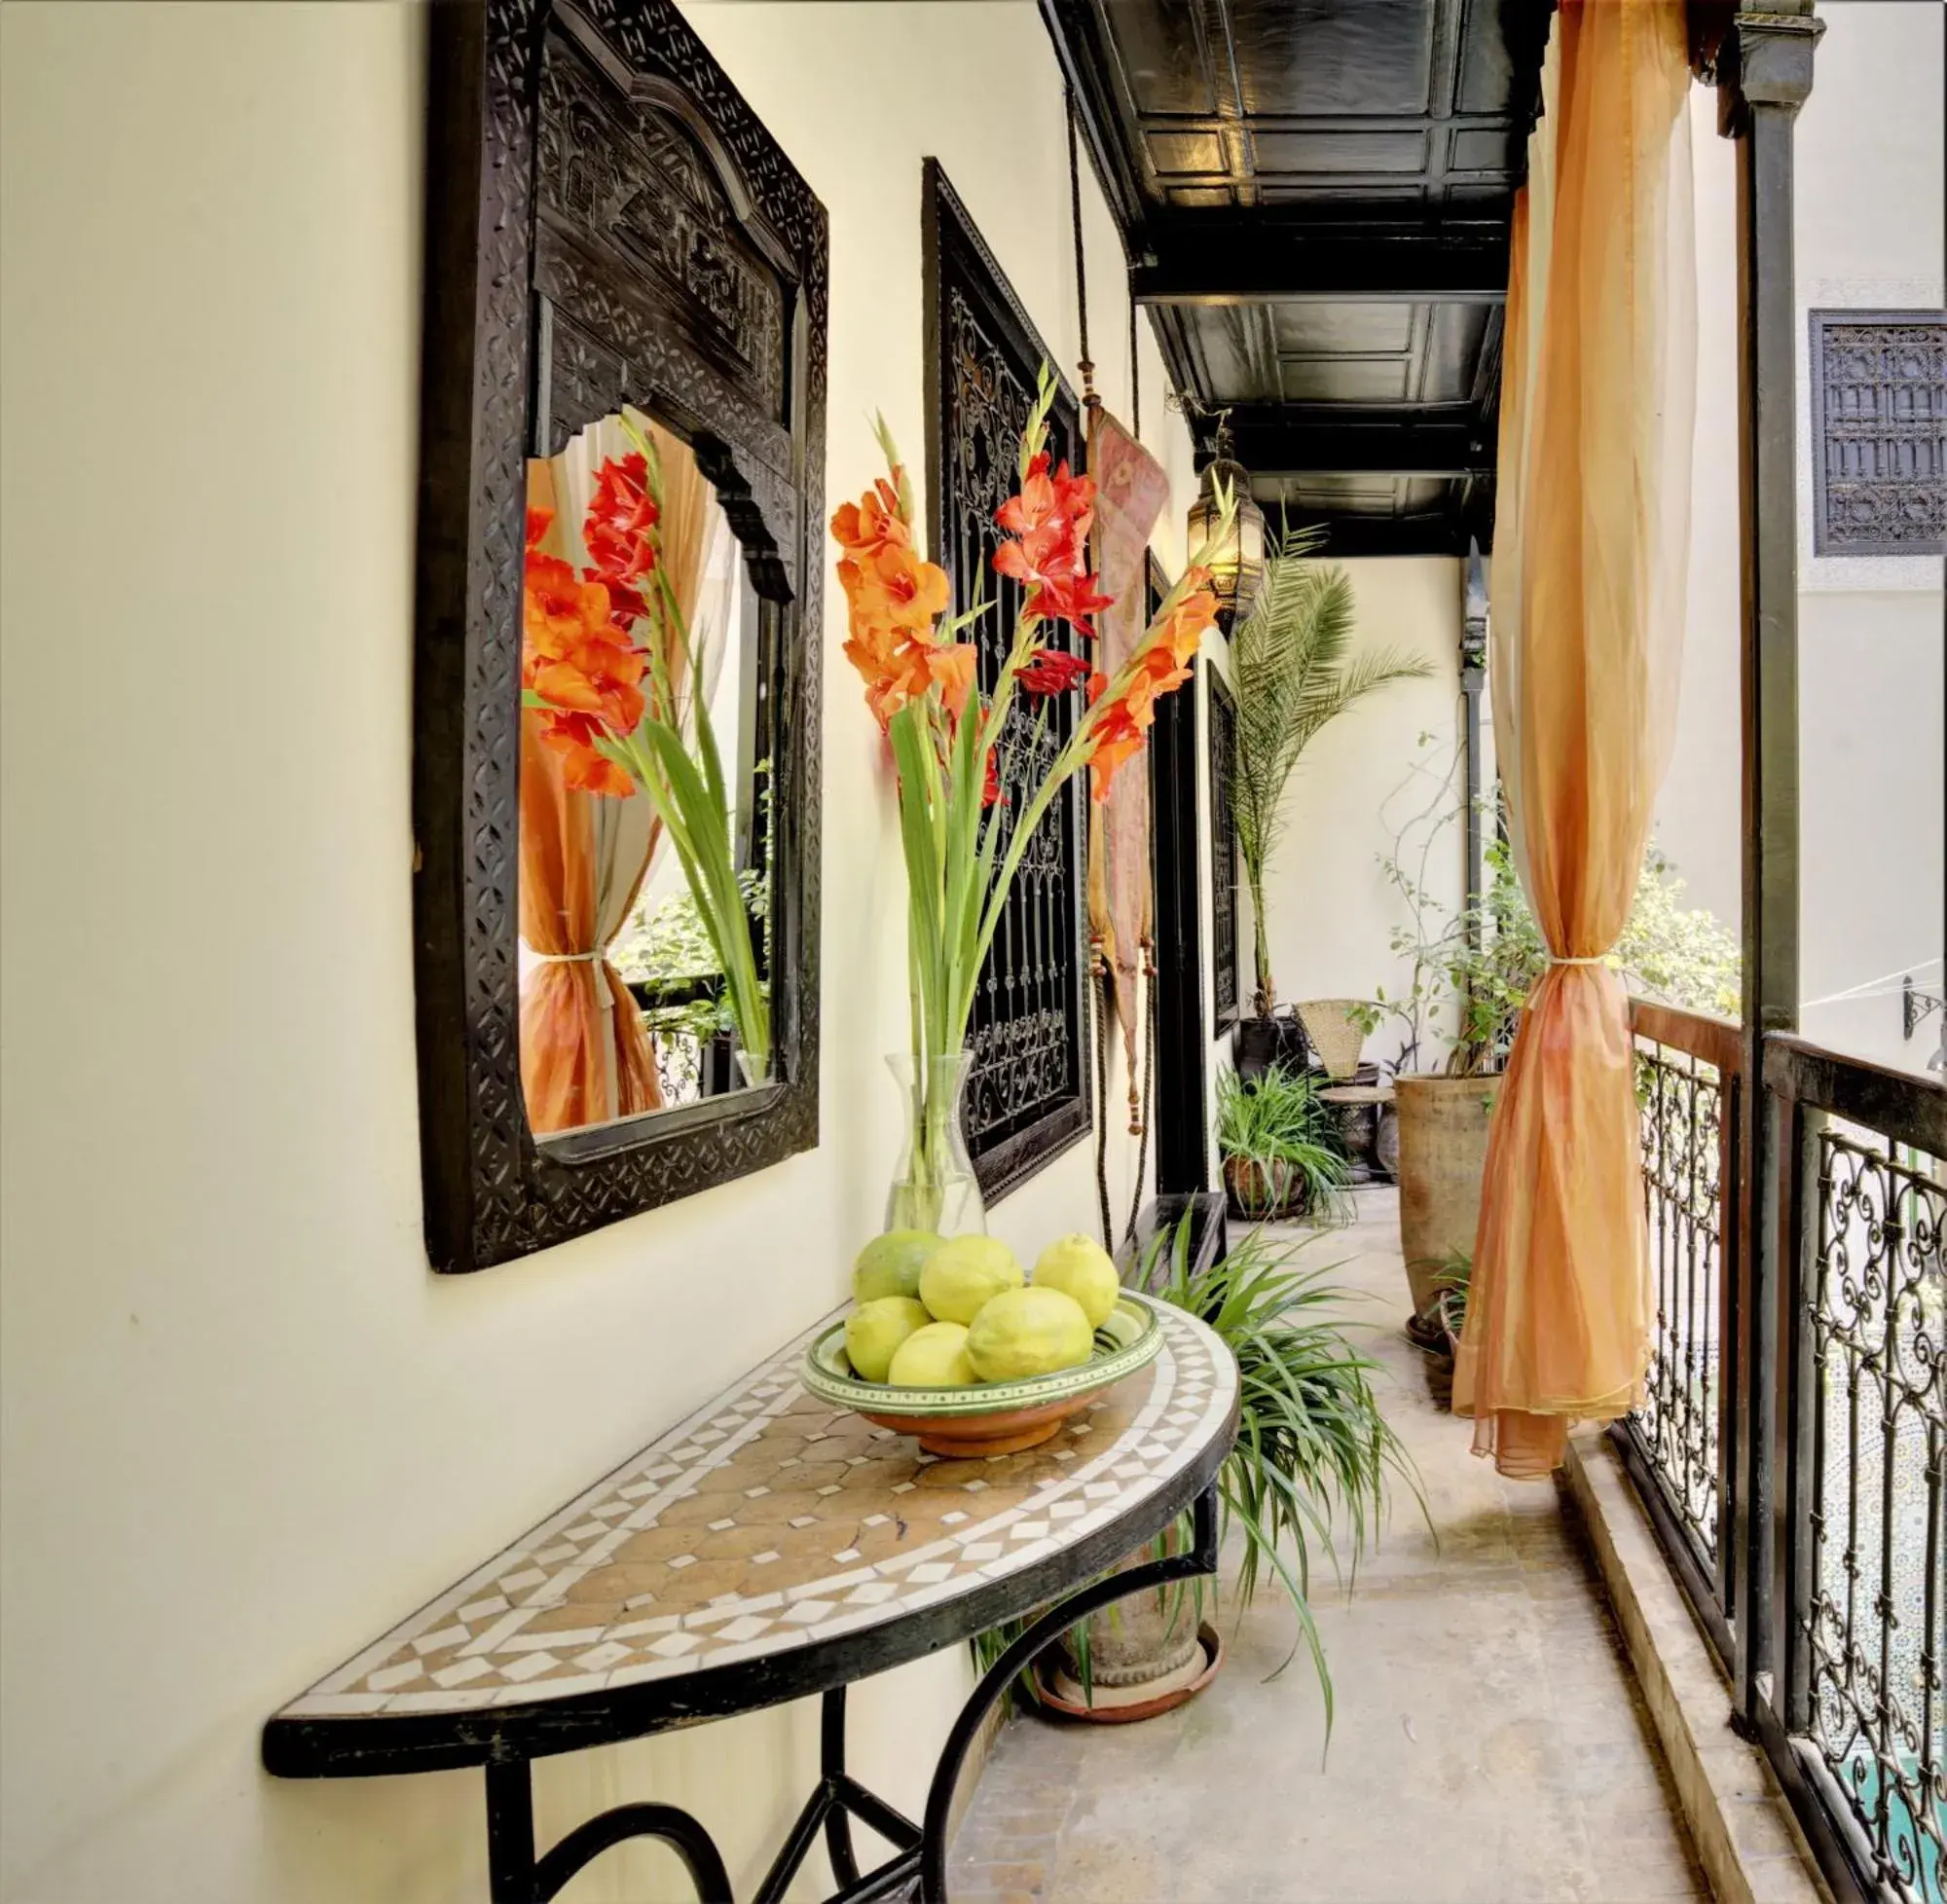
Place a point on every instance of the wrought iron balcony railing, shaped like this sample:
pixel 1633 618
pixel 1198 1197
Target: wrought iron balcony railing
pixel 1842 1584
pixel 1678 1445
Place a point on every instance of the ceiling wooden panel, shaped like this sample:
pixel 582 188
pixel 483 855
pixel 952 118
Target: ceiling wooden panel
pixel 1229 132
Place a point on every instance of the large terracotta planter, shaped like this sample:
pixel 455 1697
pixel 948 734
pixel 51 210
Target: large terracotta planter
pixel 1443 1150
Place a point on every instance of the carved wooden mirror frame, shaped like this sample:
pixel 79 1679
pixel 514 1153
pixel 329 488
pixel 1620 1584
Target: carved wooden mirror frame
pixel 553 297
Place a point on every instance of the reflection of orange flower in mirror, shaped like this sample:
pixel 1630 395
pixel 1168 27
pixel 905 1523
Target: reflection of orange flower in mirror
pixel 579 660
pixel 622 515
pixel 1160 667
pixel 621 533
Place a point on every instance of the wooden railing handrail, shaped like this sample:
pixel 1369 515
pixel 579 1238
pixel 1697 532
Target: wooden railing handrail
pixel 1900 1106
pixel 1717 1041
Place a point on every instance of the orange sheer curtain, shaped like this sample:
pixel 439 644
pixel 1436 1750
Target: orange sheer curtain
pixel 585 1057
pixel 1592 542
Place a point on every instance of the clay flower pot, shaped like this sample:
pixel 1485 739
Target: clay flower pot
pixel 1263 1189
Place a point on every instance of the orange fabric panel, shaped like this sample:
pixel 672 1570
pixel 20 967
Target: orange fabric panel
pixel 1590 551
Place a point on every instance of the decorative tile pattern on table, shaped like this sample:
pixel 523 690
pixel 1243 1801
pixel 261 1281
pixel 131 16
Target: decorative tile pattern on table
pixel 769 1520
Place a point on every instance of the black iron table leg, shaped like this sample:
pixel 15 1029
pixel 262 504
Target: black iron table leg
pixel 515 1877
pixel 1202 1559
pixel 839 1799
pixel 832 1763
pixel 510 1832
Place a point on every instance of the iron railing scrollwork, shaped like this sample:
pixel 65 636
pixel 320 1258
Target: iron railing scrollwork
pixel 1854 1710
pixel 1677 1442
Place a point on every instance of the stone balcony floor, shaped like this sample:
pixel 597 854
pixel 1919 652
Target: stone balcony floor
pixel 1490 1745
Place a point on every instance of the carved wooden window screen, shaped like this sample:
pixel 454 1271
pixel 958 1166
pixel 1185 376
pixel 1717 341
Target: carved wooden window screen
pixel 1223 983
pixel 1879 432
pixel 1028 1086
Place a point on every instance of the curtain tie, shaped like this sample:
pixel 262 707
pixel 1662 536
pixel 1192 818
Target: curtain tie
pixel 605 995
pixel 1596 959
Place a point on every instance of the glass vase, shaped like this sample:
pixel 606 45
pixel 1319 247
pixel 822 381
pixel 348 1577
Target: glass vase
pixel 934 1188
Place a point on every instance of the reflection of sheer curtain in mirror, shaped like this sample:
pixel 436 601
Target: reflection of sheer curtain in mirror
pixel 585 1057
pixel 716 623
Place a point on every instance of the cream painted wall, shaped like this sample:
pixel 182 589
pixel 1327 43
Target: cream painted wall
pixel 1332 911
pixel 1872 703
pixel 244 1428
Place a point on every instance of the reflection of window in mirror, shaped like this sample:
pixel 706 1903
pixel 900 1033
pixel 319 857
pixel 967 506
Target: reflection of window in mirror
pixel 646 846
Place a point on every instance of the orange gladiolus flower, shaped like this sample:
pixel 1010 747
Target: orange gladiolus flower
pixel 894 598
pixel 1052 670
pixel 1161 667
pixel 952 669
pixel 1049 520
pixel 895 666
pixel 873 524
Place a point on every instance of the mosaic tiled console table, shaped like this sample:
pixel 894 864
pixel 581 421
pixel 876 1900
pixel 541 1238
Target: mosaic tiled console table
pixel 764 1549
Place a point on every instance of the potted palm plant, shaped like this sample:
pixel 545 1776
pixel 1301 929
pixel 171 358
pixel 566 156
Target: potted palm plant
pixel 1294 671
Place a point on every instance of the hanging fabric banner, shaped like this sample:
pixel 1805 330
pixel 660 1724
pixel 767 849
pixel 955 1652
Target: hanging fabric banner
pixel 1130 491
pixel 1591 546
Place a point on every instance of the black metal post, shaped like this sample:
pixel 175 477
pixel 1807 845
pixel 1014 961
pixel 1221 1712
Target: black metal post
pixel 510 1832
pixel 1182 1032
pixel 1764 73
pixel 1474 678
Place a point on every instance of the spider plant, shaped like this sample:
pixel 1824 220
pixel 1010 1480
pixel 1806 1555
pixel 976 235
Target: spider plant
pixel 1283 1149
pixel 1314 1459
pixel 1292 671
pixel 1455 1279
pixel 1314 1455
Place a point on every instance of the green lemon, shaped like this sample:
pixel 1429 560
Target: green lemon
pixel 1079 1266
pixel 963 1273
pixel 875 1329
pixel 1028 1332
pixel 890 1264
pixel 932 1357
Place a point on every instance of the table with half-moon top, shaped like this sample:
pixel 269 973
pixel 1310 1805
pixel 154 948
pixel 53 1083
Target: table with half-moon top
pixel 768 1547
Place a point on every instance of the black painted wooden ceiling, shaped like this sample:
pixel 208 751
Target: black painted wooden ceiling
pixel 1314 195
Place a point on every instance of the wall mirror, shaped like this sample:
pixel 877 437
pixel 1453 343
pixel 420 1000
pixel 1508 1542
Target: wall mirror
pixel 615 763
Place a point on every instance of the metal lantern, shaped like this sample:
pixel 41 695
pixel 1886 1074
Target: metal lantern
pixel 1238 564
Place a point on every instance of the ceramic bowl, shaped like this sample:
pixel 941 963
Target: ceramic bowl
pixel 996 1418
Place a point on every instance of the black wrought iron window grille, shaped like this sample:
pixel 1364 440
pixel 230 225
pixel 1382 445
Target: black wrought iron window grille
pixel 1879 432
pixel 1028 1095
